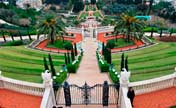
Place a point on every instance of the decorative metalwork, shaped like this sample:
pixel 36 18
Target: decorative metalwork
pixel 104 94
pixel 86 93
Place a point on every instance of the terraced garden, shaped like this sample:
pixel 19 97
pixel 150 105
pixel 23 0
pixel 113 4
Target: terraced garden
pixel 150 62
pixel 21 63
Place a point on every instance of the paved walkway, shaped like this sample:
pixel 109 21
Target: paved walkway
pixel 11 99
pixel 159 99
pixel 88 70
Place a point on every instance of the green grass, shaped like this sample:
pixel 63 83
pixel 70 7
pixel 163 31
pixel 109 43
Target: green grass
pixel 58 44
pixel 83 15
pixel 97 14
pixel 21 63
pixel 150 62
pixel 121 43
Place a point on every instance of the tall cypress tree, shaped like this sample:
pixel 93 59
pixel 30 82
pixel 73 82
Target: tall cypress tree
pixel 126 63
pixel 72 55
pixel 103 47
pixel 122 62
pixel 51 65
pixel 68 58
pixel 105 53
pixel 109 58
pixel 45 64
pixel 66 61
pixel 76 53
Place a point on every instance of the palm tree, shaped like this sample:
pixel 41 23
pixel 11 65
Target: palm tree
pixel 128 25
pixel 51 27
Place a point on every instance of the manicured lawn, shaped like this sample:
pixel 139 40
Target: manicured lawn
pixel 150 62
pixel 83 15
pixel 97 14
pixel 121 43
pixel 58 44
pixel 21 63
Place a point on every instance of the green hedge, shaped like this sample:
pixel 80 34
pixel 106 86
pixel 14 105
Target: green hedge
pixel 174 30
pixel 13 43
pixel 155 29
pixel 149 29
pixel 104 67
pixel 61 77
pixel 113 76
pixel 72 68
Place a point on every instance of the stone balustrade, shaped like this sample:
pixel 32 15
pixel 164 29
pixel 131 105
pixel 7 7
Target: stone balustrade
pixel 21 86
pixel 155 84
pixel 105 29
pixel 73 30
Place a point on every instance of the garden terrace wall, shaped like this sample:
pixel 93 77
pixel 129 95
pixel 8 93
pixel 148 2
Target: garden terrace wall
pixel 22 86
pixel 155 84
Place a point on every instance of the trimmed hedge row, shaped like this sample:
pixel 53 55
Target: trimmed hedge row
pixel 114 75
pixel 156 29
pixel 73 67
pixel 60 77
pixel 103 65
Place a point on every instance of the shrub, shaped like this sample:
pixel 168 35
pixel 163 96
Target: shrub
pixel 104 67
pixel 113 76
pixel 71 68
pixel 61 77
pixel 110 44
pixel 173 107
pixel 14 43
pixel 68 45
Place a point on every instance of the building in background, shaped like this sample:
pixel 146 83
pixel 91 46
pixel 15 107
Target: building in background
pixel 37 4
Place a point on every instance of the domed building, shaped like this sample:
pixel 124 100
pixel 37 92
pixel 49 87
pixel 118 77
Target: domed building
pixel 37 4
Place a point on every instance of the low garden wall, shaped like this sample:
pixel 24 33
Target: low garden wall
pixel 21 86
pixel 155 84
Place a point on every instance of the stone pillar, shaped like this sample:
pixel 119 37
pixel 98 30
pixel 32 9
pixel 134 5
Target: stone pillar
pixel 48 84
pixel 124 81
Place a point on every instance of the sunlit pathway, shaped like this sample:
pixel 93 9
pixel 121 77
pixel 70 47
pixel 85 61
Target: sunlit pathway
pixel 88 71
pixel 159 99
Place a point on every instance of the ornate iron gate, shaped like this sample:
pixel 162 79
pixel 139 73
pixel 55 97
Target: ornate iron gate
pixel 104 94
